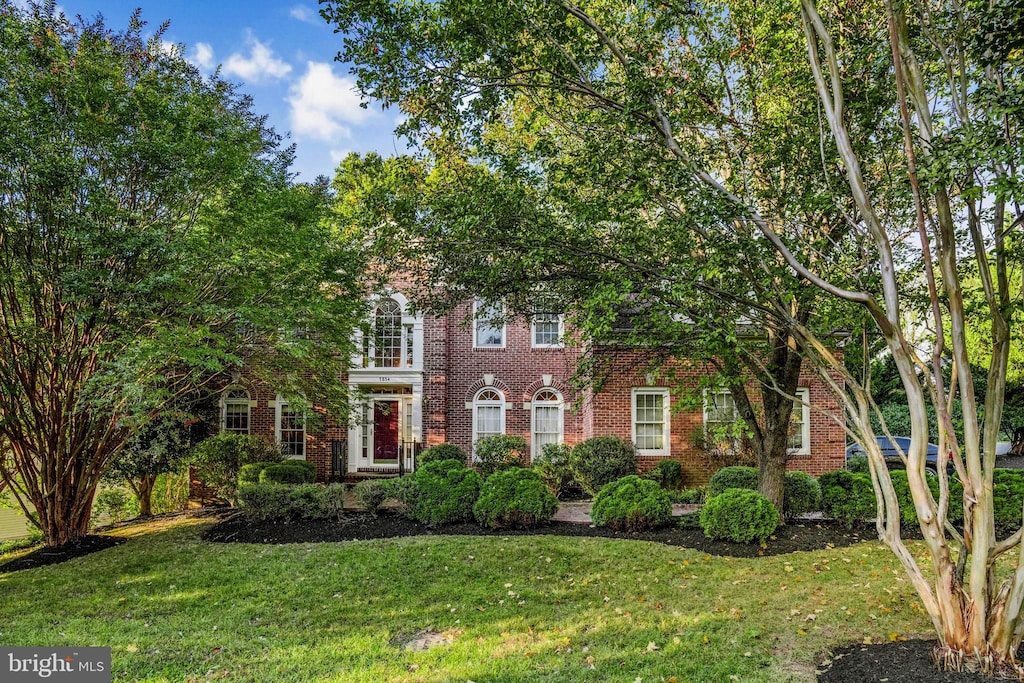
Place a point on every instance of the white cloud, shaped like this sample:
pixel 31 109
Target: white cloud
pixel 323 103
pixel 202 56
pixel 260 66
pixel 338 154
pixel 303 13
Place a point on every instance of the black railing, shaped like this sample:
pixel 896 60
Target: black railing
pixel 339 459
pixel 408 452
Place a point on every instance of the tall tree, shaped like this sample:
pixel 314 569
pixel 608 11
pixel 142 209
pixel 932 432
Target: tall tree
pixel 150 236
pixel 914 167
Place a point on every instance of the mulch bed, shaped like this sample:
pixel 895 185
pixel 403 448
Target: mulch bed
pixel 69 551
pixel 805 535
pixel 899 662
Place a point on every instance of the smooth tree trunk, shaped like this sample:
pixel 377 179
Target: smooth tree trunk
pixel 143 489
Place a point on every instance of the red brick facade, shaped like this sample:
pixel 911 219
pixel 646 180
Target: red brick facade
pixel 442 372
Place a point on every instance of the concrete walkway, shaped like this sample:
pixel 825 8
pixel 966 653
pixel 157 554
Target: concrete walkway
pixel 578 512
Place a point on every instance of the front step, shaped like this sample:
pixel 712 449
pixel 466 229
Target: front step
pixel 364 474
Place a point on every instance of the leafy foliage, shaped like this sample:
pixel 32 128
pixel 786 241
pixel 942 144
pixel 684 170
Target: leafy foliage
pixel 116 502
pixel 803 494
pixel 601 460
pixel 443 451
pixel 632 504
pixel 668 473
pixel 372 493
pixel 514 498
pixel 446 491
pixel 250 474
pixel 217 460
pixel 289 472
pixel 847 496
pixel 734 477
pixel 500 452
pixel 554 469
pixel 739 515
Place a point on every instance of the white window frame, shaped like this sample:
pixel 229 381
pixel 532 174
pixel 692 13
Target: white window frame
pixel 803 404
pixel 224 401
pixel 666 428
pixel 501 403
pixel 280 403
pixel 533 332
pixel 534 404
pixel 477 305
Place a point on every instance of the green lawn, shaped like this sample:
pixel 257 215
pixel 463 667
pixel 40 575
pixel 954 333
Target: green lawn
pixel 545 608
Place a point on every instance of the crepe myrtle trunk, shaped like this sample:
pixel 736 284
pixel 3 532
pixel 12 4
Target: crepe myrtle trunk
pixel 64 513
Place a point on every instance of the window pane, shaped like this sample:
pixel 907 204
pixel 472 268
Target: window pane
pixel 236 417
pixel 796 425
pixel 650 424
pixel 388 334
pixel 293 432
pixel 490 329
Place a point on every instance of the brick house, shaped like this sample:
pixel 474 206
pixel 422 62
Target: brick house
pixel 424 380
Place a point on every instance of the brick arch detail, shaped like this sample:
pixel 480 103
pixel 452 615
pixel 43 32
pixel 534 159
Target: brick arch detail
pixel 556 383
pixel 476 386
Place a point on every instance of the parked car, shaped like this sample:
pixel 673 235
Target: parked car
pixel 891 452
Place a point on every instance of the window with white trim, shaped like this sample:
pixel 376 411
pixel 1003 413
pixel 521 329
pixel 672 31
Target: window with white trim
pixel 388 331
pixel 234 411
pixel 547 421
pixel 488 414
pixel 546 327
pixel 720 414
pixel 291 430
pixel 800 424
pixel 651 420
pixel 488 325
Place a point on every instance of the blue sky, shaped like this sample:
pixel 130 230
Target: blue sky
pixel 283 55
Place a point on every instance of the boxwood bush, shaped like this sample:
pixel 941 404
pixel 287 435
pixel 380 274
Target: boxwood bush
pixel 739 515
pixel 500 452
pixel 289 472
pixel 516 498
pixel 1008 495
pixel 668 473
pixel 801 494
pixel 442 451
pixel 632 503
pixel 446 491
pixel 405 492
pixel 372 493
pixel 847 496
pixel 250 474
pixel 216 461
pixel 332 502
pixel 601 460
pixel 553 467
pixel 261 502
pixel 734 477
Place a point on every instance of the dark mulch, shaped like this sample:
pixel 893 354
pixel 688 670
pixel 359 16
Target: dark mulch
pixel 899 662
pixel 63 553
pixel 804 535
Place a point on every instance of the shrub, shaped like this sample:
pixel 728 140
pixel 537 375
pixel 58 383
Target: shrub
pixel 372 493
pixel 515 497
pixel 739 515
pixel 500 452
pixel 305 500
pixel 218 459
pixel 801 494
pixel 858 464
pixel 847 497
pixel 406 493
pixel 601 460
pixel 908 513
pixel 553 467
pixel 668 473
pixel 446 491
pixel 117 502
pixel 633 504
pixel 1008 496
pixel 250 474
pixel 332 502
pixel 734 477
pixel 444 451
pixel 691 496
pixel 289 472
pixel 261 501
pixel 170 492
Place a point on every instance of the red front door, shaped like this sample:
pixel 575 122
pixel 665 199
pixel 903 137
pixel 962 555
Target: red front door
pixel 385 431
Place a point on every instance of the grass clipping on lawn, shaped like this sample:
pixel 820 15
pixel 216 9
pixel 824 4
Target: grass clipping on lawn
pixel 526 608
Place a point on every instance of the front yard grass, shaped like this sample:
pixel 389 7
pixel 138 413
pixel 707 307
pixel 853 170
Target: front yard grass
pixel 533 608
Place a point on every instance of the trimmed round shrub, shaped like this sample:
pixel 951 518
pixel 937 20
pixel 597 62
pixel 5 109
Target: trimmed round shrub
pixel 601 460
pixel 739 515
pixel 847 497
pixel 250 474
pixel 306 500
pixel 801 494
pixel 289 472
pixel 446 491
pixel 217 460
pixel 553 467
pixel 633 504
pixel 261 502
pixel 332 501
pixel 500 452
pixel 515 498
pixel 372 493
pixel 734 477
pixel 1008 496
pixel 406 493
pixel 858 464
pixel 668 473
pixel 443 451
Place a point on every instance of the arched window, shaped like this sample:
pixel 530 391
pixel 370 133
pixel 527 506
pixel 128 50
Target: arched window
pixel 488 414
pixel 546 417
pixel 388 335
pixel 234 411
